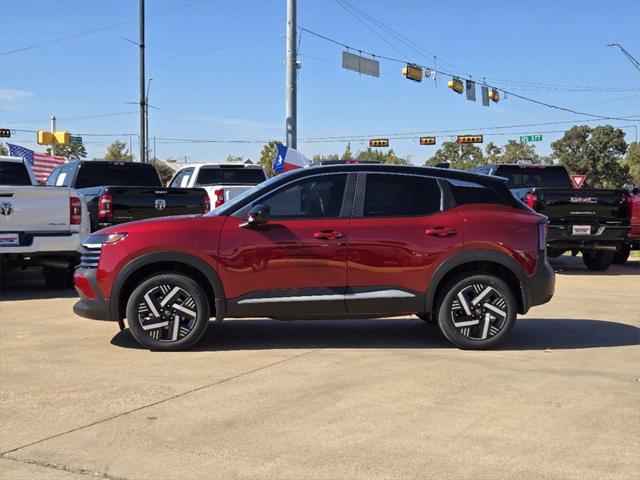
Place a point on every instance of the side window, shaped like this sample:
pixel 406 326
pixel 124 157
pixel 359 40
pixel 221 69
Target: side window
pixel 176 180
pixel 469 192
pixel 186 177
pixel 389 195
pixel 53 177
pixel 65 176
pixel 315 197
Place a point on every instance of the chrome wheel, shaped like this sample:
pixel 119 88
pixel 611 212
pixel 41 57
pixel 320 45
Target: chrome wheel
pixel 479 311
pixel 167 313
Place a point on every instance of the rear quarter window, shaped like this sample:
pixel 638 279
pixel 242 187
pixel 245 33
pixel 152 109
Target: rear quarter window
pixel 466 193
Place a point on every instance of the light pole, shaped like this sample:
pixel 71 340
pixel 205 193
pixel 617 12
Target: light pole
pixel 627 54
pixel 143 106
pixel 291 139
pixel 146 120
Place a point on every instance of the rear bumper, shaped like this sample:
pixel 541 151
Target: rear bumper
pixel 561 236
pixel 33 244
pixel 540 287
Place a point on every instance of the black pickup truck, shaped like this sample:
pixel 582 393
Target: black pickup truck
pixel 592 221
pixel 117 192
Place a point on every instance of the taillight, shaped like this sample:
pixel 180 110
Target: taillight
pixel 75 211
pixel 531 200
pixel 105 205
pixel 627 202
pixel 542 235
pixel 219 193
pixel 206 204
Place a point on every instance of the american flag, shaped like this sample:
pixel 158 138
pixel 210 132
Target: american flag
pixel 40 163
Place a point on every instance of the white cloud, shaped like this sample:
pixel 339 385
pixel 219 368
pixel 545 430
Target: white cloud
pixel 11 95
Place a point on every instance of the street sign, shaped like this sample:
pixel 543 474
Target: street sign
pixel 360 64
pixel 530 138
pixel 470 139
pixel 5 133
pixel 379 142
pixel 578 180
pixel 75 140
pixel 471 90
pixel 427 140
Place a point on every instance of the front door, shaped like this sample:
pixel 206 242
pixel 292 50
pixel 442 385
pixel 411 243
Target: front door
pixel 400 232
pixel 296 264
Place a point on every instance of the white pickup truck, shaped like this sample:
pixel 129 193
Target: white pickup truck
pixel 222 181
pixel 39 226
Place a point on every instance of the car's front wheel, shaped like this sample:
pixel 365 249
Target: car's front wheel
pixel 477 311
pixel 168 311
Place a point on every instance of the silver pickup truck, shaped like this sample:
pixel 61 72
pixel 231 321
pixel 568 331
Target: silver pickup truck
pixel 39 226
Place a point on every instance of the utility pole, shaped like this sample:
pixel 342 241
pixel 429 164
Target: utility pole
pixel 143 99
pixel 146 118
pixel 631 58
pixel 53 135
pixel 292 65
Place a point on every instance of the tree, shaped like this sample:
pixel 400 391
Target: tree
pixel 267 154
pixel 332 157
pixel 493 153
pixel 235 158
pixel 348 154
pixel 118 151
pixel 376 155
pixel 460 156
pixel 3 149
pixel 632 162
pixel 72 151
pixel 164 170
pixel 514 152
pixel 594 152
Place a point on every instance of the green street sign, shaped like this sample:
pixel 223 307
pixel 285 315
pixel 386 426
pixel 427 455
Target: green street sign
pixel 530 138
pixel 75 140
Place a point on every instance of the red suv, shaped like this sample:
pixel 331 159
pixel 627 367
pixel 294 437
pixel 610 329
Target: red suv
pixel 346 241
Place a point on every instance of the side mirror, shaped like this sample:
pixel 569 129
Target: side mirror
pixel 258 215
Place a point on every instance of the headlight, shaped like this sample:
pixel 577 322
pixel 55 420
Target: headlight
pixel 97 241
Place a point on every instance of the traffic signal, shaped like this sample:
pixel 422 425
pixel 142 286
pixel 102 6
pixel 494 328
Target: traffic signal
pixel 427 140
pixel 456 85
pixel 5 133
pixel 413 72
pixel 62 138
pixel 44 137
pixel 379 142
pixel 470 139
pixel 494 95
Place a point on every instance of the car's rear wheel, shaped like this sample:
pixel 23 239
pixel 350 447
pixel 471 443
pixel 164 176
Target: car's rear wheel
pixel 597 260
pixel 476 311
pixel 168 312
pixel 622 255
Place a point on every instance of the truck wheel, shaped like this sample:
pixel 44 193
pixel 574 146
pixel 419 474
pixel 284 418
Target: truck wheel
pixel 597 260
pixel 56 278
pixel 168 312
pixel 477 312
pixel 554 252
pixel 622 255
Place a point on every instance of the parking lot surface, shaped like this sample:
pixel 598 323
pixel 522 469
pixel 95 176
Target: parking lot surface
pixel 370 399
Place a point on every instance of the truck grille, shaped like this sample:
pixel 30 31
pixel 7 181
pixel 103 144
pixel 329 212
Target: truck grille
pixel 89 257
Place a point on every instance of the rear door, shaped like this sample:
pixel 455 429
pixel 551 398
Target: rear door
pixel 400 232
pixel 296 264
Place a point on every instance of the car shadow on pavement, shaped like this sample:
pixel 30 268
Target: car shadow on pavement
pixel 529 334
pixel 29 285
pixel 567 265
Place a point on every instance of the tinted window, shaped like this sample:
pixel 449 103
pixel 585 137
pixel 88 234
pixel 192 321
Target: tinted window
pixel 469 192
pixel 230 176
pixel 316 197
pixel 94 174
pixel 14 173
pixel 400 195
pixel 524 177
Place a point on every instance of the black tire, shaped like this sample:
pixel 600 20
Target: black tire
pixel 597 260
pixel 189 307
pixel 56 278
pixel 622 255
pixel 484 327
pixel 425 317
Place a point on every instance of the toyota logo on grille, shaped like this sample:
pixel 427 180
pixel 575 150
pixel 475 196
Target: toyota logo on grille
pixel 6 208
pixel 161 204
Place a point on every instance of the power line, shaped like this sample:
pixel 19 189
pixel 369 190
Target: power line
pixel 448 74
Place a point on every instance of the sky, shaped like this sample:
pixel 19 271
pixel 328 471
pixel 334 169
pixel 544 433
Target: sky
pixel 219 74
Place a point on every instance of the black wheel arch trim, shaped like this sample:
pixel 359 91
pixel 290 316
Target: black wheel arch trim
pixel 165 257
pixel 476 255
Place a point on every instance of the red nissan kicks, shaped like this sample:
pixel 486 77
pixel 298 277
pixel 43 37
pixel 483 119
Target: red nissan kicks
pixel 339 241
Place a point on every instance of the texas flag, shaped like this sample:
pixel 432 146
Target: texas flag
pixel 288 159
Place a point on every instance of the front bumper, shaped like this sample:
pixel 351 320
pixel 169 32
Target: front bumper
pixel 92 303
pixel 540 287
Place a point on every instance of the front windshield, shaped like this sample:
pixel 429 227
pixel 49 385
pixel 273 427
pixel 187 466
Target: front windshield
pixel 240 198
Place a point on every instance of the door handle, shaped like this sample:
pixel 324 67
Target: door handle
pixel 441 231
pixel 327 235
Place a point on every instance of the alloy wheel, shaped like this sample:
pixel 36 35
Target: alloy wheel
pixel 167 313
pixel 479 311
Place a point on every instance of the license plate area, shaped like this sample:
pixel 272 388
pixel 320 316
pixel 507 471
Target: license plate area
pixel 581 229
pixel 9 240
